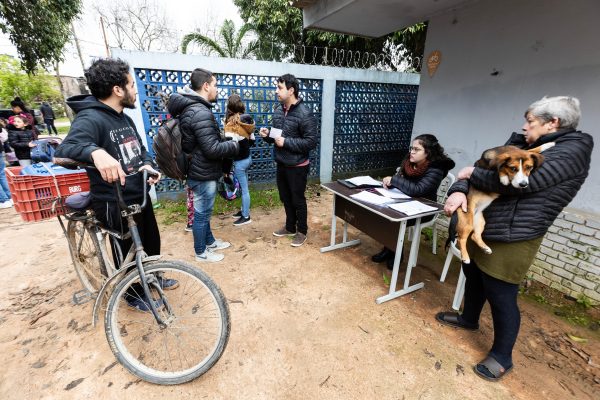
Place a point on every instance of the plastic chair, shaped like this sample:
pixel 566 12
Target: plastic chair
pixel 442 194
pixel 460 285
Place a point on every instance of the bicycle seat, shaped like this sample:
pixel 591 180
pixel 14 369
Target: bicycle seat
pixel 79 201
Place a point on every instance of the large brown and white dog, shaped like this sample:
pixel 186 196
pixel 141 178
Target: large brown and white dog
pixel 514 165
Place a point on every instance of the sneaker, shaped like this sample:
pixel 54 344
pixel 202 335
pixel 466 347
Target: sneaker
pixel 167 284
pixel 242 221
pixel 6 204
pixel 218 244
pixel 283 232
pixel 209 256
pixel 237 214
pixel 188 228
pixel 299 239
pixel 142 305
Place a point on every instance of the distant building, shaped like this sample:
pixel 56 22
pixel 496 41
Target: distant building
pixel 73 86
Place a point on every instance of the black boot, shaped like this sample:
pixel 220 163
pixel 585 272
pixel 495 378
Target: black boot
pixel 390 260
pixel 382 255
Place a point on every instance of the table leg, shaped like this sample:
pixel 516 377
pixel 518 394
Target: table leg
pixel 412 258
pixel 345 242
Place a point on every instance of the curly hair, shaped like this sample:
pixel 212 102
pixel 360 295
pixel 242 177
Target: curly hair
pixel 104 74
pixel 432 147
pixel 235 105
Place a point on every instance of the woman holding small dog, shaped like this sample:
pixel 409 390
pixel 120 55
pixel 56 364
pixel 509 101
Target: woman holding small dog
pixel 419 175
pixel 516 223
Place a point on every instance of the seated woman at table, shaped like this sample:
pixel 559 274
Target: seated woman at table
pixel 419 175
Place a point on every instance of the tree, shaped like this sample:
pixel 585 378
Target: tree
pixel 280 33
pixel 38 29
pixel 30 88
pixel 138 24
pixel 228 44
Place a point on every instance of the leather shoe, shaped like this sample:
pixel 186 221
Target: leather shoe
pixel 382 255
pixel 390 260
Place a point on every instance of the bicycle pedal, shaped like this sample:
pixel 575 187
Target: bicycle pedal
pixel 82 296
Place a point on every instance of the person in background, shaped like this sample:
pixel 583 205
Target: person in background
pixel 516 223
pixel 419 175
pixel 5 199
pixel 19 108
pixel 49 117
pixel 239 125
pixel 297 136
pixel 20 138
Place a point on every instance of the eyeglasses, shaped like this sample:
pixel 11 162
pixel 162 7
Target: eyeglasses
pixel 412 149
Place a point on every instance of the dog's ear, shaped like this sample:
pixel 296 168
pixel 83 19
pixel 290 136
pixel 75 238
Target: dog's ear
pixel 500 160
pixel 538 159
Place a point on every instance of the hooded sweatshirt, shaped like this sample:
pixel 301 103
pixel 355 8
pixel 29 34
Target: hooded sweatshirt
pixel 98 126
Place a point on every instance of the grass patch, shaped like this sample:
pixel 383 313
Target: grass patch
pixel 63 130
pixel 261 198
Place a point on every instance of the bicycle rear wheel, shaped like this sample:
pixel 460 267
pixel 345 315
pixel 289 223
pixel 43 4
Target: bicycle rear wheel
pixel 86 254
pixel 196 332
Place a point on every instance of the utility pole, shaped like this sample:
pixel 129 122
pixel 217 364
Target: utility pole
pixel 104 35
pixel 77 46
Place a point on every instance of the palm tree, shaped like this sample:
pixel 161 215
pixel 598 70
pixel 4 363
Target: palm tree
pixel 228 44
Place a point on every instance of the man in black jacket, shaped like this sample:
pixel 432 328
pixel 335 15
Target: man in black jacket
pixel 49 117
pixel 101 134
pixel 202 139
pixel 294 132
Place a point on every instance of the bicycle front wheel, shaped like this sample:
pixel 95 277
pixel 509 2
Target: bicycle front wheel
pixel 195 333
pixel 86 254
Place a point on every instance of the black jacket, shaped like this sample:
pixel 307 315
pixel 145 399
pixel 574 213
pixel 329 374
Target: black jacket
pixel 299 128
pixel 201 136
pixel 47 111
pixel 98 126
pixel 426 185
pixel 523 214
pixel 19 140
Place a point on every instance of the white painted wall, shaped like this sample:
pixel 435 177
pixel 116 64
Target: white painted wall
pixel 539 47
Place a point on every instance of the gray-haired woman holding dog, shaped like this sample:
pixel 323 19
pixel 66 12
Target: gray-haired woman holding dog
pixel 516 223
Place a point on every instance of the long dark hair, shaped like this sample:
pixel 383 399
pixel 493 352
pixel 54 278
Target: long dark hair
pixel 432 147
pixel 235 105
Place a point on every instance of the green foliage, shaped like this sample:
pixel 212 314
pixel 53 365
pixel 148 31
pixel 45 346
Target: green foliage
pixel 31 88
pixel 279 27
pixel 38 29
pixel 228 44
pixel 584 301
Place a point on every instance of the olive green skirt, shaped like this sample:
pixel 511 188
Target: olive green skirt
pixel 508 262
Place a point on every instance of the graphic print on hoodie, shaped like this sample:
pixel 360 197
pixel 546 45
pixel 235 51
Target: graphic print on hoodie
pixel 100 126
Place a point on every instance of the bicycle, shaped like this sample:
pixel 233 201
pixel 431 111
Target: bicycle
pixel 186 331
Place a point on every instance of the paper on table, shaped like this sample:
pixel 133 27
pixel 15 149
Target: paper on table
pixel 393 193
pixel 371 198
pixel 275 133
pixel 411 207
pixel 363 180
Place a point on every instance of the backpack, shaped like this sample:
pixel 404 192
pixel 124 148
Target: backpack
pixel 228 187
pixel 171 159
pixel 42 152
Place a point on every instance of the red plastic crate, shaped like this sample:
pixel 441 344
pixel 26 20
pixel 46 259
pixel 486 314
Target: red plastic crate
pixel 33 196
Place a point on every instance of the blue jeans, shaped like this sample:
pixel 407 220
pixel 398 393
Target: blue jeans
pixel 204 200
pixel 4 190
pixel 241 173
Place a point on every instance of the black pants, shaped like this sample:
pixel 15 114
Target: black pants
pixel 502 296
pixel 291 183
pixel 50 124
pixel 109 214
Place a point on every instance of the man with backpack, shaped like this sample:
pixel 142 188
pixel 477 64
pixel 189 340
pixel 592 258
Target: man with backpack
pixel 202 139
pixel 101 134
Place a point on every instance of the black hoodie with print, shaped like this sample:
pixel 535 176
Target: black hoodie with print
pixel 98 126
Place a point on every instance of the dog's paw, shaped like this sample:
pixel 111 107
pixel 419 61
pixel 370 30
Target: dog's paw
pixel 466 261
pixel 487 250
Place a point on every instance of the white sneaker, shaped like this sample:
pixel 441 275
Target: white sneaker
pixel 209 256
pixel 6 204
pixel 218 244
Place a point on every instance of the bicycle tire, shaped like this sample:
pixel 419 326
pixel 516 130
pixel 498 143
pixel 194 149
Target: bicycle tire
pixel 138 342
pixel 86 255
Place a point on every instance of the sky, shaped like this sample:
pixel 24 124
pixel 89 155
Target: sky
pixel 185 16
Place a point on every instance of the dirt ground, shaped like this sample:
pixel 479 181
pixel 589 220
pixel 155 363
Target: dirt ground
pixel 305 325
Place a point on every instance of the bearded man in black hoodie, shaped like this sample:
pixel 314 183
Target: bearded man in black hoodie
pixel 103 135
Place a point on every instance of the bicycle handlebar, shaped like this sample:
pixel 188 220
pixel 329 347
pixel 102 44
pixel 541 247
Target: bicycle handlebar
pixel 72 164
